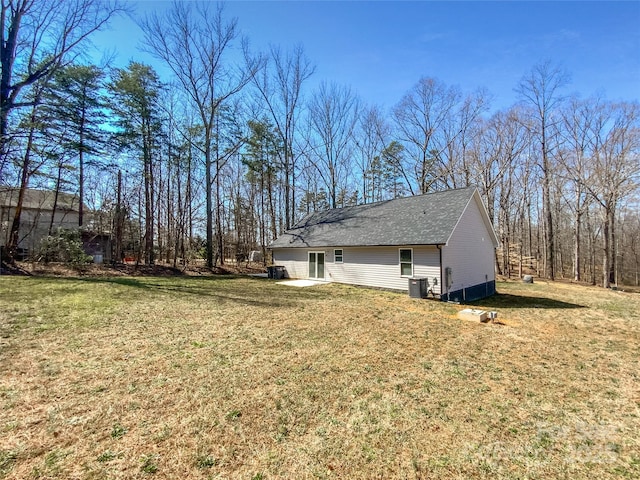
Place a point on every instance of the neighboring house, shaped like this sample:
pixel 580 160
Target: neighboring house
pixel 36 218
pixel 445 237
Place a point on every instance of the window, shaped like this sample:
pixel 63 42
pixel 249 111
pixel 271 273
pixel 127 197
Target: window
pixel 337 256
pixel 406 262
pixel 316 265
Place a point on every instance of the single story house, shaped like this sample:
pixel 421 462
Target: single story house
pixel 445 238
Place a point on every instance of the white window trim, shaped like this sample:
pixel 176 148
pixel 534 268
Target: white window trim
pixel 341 250
pixel 400 262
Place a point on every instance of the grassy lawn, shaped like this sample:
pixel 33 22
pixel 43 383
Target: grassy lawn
pixel 235 377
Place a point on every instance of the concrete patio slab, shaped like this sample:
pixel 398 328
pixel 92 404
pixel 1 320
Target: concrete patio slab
pixel 301 283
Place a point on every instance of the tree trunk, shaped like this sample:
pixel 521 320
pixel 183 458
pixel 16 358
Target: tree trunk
pixel 81 170
pixel 157 201
pixel 209 194
pixel 549 238
pixel 54 207
pixel 606 256
pixel 613 258
pixel 576 247
pixel 25 175
pixel 220 239
pixel 292 205
pixel 119 222
pixel 139 255
pixel 149 198
pixel 170 213
pixel 179 228
pixel 189 201
pixel 287 192
pixel 272 210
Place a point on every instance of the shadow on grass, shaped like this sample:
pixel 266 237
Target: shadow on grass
pixel 126 282
pixel 507 300
pixel 221 288
pixel 8 268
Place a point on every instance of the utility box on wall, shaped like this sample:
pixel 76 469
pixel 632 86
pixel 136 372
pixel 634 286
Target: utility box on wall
pixel 448 277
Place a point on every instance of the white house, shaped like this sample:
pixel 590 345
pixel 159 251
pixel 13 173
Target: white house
pixel 443 237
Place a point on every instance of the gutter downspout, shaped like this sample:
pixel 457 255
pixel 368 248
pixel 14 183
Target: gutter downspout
pixel 441 284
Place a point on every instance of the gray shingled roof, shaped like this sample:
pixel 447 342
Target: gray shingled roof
pixel 420 220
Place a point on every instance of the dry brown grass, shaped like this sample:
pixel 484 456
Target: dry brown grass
pixel 242 378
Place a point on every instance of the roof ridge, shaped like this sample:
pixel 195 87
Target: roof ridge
pixel 380 202
pixel 426 219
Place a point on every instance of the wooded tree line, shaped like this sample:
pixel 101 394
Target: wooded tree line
pixel 235 146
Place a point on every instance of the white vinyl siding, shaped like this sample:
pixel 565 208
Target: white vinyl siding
pixel 367 266
pixel 470 252
pixel 34 224
pixel 294 260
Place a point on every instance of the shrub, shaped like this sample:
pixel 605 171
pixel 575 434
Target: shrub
pixel 64 246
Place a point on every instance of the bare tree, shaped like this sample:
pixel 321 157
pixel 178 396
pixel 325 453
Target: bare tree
pixel 616 172
pixel 540 89
pixel 459 131
pixel 420 118
pixel 631 223
pixel 39 37
pixel 280 86
pixel 371 136
pixel 492 162
pixel 28 165
pixel 579 118
pixel 333 113
pixel 194 41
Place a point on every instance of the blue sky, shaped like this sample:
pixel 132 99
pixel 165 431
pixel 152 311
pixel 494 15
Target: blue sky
pixel 381 49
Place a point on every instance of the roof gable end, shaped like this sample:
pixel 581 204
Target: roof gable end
pixel 484 215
